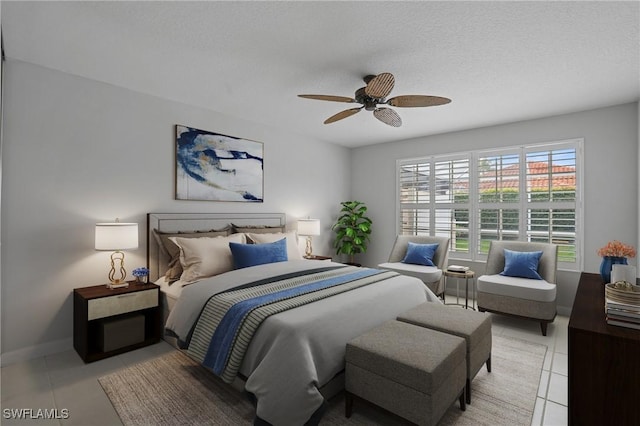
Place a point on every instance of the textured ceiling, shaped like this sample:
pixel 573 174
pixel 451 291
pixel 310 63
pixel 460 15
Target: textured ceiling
pixel 498 61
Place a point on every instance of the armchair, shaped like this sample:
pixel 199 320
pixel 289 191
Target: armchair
pixel 431 276
pixel 520 297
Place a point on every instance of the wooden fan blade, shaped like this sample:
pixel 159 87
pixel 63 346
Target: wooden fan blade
pixel 388 116
pixel 329 98
pixel 342 114
pixel 380 86
pixel 409 101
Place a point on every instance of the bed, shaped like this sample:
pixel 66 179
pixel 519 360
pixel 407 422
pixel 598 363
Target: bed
pixel 293 360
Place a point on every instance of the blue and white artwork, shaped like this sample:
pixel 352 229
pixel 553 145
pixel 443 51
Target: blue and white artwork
pixel 215 167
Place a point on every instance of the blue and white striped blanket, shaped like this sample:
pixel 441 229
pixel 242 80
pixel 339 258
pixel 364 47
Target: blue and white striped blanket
pixel 230 319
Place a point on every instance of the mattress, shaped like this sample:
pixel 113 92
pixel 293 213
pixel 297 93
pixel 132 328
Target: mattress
pixel 171 292
pixel 169 295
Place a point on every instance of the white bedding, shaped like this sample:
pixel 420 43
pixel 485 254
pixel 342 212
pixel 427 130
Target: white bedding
pixel 296 352
pixel 172 291
pixel 169 295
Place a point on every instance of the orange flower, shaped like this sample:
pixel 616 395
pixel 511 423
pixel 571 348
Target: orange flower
pixel 617 249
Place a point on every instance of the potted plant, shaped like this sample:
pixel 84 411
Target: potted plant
pixel 352 229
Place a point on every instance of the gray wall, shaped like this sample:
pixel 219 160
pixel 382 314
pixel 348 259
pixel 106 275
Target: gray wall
pixel 610 177
pixel 78 151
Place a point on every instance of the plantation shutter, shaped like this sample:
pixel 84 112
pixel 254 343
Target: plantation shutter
pixel 518 193
pixel 551 199
pixel 498 186
pixel 452 203
pixel 415 195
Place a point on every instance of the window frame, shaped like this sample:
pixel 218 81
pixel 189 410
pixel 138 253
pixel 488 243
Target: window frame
pixel 523 205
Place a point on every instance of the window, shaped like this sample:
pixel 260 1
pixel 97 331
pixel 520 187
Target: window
pixel 551 199
pixel 526 193
pixel 498 189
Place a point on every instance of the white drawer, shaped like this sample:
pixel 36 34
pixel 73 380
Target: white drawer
pixel 122 303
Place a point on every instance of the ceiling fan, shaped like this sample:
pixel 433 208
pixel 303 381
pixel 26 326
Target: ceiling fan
pixel 373 94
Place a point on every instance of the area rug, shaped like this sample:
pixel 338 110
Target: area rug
pixel 175 390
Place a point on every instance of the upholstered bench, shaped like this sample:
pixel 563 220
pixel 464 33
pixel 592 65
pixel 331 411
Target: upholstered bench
pixel 473 326
pixel 414 372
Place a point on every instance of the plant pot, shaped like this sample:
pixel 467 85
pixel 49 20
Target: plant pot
pixel 607 264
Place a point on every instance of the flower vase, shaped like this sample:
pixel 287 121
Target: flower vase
pixel 607 264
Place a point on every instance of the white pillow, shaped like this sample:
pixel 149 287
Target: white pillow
pixel 205 257
pixel 293 251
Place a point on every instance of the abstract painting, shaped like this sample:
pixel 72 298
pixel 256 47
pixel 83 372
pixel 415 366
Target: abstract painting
pixel 215 167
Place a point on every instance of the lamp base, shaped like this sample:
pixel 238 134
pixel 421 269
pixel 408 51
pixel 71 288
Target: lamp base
pixel 121 284
pixel 308 252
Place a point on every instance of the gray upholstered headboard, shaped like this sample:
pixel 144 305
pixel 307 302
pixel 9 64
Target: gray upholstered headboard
pixel 174 222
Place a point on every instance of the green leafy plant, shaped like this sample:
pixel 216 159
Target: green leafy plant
pixel 352 229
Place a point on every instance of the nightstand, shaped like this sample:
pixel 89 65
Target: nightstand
pixel 318 257
pixel 108 322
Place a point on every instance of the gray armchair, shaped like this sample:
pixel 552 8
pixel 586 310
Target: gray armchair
pixel 431 276
pixel 521 297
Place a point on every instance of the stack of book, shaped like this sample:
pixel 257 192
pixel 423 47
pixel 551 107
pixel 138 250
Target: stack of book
pixel 458 268
pixel 623 305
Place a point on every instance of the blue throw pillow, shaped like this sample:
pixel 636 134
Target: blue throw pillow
pixel 521 264
pixel 420 254
pixel 245 255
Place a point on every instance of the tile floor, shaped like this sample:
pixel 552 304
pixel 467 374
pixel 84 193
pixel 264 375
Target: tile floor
pixel 63 381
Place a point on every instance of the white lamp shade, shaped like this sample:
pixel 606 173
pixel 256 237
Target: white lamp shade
pixel 116 236
pixel 308 227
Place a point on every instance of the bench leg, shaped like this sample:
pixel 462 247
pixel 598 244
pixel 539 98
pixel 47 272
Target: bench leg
pixel 463 406
pixel 489 364
pixel 348 404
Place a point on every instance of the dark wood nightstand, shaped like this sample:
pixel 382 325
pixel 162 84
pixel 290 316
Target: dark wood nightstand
pixel 108 322
pixel 318 257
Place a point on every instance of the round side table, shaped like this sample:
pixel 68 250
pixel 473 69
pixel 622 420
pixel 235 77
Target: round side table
pixel 467 275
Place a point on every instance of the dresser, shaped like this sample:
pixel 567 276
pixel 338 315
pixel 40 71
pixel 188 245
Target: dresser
pixel 604 362
pixel 108 322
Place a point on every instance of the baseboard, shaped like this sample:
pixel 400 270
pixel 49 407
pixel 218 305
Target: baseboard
pixel 31 352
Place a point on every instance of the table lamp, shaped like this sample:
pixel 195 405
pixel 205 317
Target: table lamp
pixel 308 228
pixel 116 237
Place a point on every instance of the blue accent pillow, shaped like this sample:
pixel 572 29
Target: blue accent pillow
pixel 245 255
pixel 420 254
pixel 521 264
